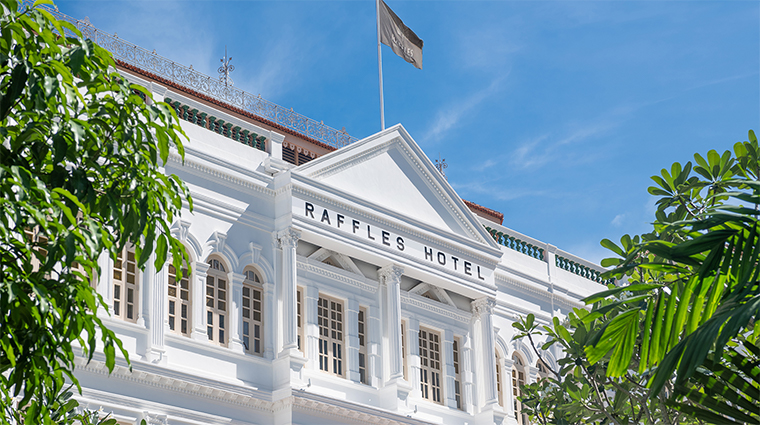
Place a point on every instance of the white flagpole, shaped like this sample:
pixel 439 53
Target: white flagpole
pixel 380 67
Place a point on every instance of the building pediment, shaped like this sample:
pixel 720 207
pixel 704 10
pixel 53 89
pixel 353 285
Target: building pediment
pixel 390 170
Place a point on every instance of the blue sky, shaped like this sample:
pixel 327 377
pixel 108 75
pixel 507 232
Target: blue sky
pixel 555 113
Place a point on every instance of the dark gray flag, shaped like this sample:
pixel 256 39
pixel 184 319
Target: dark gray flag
pixel 397 36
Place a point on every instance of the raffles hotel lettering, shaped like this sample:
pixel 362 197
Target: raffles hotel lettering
pixel 388 239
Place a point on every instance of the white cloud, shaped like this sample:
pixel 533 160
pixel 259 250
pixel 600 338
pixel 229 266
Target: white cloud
pixel 543 149
pixel 618 220
pixel 450 116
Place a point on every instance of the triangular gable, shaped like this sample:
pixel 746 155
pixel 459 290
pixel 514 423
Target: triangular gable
pixel 389 169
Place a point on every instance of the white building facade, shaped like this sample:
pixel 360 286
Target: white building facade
pixel 339 286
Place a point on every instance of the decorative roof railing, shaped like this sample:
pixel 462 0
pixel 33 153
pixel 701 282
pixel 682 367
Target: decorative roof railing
pixel 538 250
pixel 201 83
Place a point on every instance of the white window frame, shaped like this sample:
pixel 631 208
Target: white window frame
pixel 179 307
pixel 36 239
pixel 499 379
pixel 363 343
pixel 126 285
pixel 404 328
pixel 253 328
pixel 430 365
pixel 457 360
pixel 518 379
pixel 301 339
pixel 217 300
pixel 330 314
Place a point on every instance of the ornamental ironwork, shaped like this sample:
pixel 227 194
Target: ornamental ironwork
pixel 225 69
pixel 188 77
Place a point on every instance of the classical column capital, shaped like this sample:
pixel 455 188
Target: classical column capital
pixel 483 305
pixel 390 274
pixel 288 238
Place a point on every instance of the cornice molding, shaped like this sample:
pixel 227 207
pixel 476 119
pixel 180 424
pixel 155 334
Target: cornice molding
pixel 211 390
pixel 532 290
pixel 198 166
pixel 309 402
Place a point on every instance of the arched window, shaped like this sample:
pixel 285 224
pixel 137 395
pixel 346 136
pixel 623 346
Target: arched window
pixel 499 383
pixel 179 301
pixel 543 370
pixel 126 285
pixel 518 380
pixel 252 312
pixel 216 302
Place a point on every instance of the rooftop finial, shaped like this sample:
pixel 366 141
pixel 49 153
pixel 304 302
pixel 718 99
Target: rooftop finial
pixel 441 165
pixel 225 69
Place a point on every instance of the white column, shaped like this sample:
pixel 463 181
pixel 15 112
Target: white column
pixel 468 397
pixel 235 313
pixel 288 241
pixel 352 328
pixel 158 301
pixel 413 361
pixel 144 288
pixel 390 277
pixel 484 341
pixel 198 301
pixel 374 366
pixel 449 372
pixel 509 403
pixel 105 282
pixel 311 321
pixel 270 320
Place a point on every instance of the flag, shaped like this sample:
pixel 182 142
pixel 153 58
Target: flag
pixel 397 36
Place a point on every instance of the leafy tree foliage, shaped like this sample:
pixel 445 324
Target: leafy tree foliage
pixel 684 327
pixel 581 392
pixel 80 176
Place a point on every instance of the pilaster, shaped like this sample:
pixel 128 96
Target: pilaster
pixel 352 328
pixel 509 402
pixel 235 312
pixel 467 375
pixel 413 361
pixel 198 300
pixel 288 241
pixel 449 372
pixel 309 312
pixel 390 277
pixel 270 317
pixel 482 309
pixel 374 367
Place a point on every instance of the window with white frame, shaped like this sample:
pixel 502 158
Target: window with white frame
pixel 499 382
pixel 330 315
pixel 430 365
pixel 363 376
pixel 252 312
pixel 457 374
pixel 39 242
pixel 216 302
pixel 518 380
pixel 543 370
pixel 299 319
pixel 179 301
pixel 403 348
pixel 126 285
